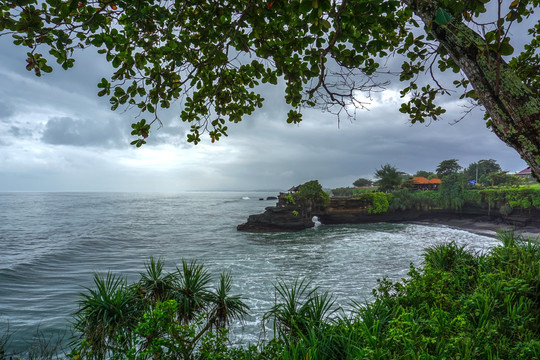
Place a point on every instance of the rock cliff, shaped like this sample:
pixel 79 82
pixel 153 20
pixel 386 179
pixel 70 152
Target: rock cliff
pixel 276 219
pixel 353 211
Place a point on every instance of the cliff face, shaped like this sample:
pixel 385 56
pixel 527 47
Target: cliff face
pixel 354 211
pixel 276 219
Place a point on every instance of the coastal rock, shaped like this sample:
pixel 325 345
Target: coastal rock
pixel 353 211
pixel 276 219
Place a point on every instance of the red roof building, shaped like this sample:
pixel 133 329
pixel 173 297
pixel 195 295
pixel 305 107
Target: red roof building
pixel 421 183
pixel 525 172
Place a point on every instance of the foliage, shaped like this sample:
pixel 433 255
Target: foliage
pixel 447 167
pixel 105 315
pixel 481 169
pixel 451 191
pixel 362 182
pixel 213 55
pixel 503 178
pixel 376 202
pixel 289 199
pixel 312 192
pixel 406 199
pixel 163 315
pixel 426 174
pixel 299 308
pixel 348 191
pixel 521 197
pixel 461 305
pixel 389 178
pixel 453 194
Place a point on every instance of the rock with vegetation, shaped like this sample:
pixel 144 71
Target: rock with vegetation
pixel 513 206
pixel 293 212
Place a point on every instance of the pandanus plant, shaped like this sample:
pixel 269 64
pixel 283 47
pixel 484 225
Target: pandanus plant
pixel 299 308
pixel 161 315
pixel 106 316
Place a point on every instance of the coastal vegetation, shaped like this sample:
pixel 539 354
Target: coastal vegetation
pixel 165 315
pixel 459 304
pixel 453 197
pixel 308 197
pixel 498 191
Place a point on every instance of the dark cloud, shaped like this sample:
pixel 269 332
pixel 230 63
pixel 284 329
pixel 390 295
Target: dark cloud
pixel 67 131
pixel 6 111
pixel 19 131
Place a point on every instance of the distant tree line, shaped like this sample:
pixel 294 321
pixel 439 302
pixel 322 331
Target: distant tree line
pixel 485 172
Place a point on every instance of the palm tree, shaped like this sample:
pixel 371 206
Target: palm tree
pixel 162 313
pixel 389 178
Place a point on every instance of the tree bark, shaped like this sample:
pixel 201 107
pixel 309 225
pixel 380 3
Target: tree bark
pixel 514 108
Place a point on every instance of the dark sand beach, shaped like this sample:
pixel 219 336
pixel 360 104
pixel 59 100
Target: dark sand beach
pixel 482 227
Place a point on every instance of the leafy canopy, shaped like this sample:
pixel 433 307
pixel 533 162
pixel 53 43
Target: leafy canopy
pixel 481 169
pixel 389 178
pixel 209 58
pixel 362 182
pixel 447 167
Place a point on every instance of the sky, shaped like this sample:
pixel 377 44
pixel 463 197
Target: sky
pixel 56 134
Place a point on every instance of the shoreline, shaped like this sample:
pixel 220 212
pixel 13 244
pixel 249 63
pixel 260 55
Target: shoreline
pixel 485 228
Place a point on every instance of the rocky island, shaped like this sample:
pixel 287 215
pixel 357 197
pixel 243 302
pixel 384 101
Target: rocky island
pixel 483 214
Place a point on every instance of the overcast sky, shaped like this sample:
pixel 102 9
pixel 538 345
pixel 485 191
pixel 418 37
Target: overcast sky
pixel 56 134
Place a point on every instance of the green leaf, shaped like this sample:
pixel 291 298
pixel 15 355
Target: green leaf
pixel 305 6
pixel 506 49
pixel 442 17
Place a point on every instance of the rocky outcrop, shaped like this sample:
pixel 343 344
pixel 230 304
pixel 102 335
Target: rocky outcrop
pixel 276 219
pixel 354 211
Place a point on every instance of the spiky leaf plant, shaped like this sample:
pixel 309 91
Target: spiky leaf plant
pixel 106 315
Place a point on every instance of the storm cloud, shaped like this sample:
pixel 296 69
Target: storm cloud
pixel 68 131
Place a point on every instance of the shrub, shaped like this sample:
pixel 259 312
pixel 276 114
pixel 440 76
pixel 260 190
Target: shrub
pixel 377 202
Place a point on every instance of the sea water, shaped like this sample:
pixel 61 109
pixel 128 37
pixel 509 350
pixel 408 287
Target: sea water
pixel 52 243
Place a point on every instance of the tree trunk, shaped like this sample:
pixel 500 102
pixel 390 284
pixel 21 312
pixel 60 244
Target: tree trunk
pixel 514 108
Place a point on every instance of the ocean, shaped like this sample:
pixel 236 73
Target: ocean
pixel 52 243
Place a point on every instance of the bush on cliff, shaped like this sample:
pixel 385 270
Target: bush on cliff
pixel 309 196
pixel 312 191
pixel 376 202
pixel 522 197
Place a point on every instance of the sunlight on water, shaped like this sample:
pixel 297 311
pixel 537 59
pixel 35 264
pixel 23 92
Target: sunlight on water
pixel 51 243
